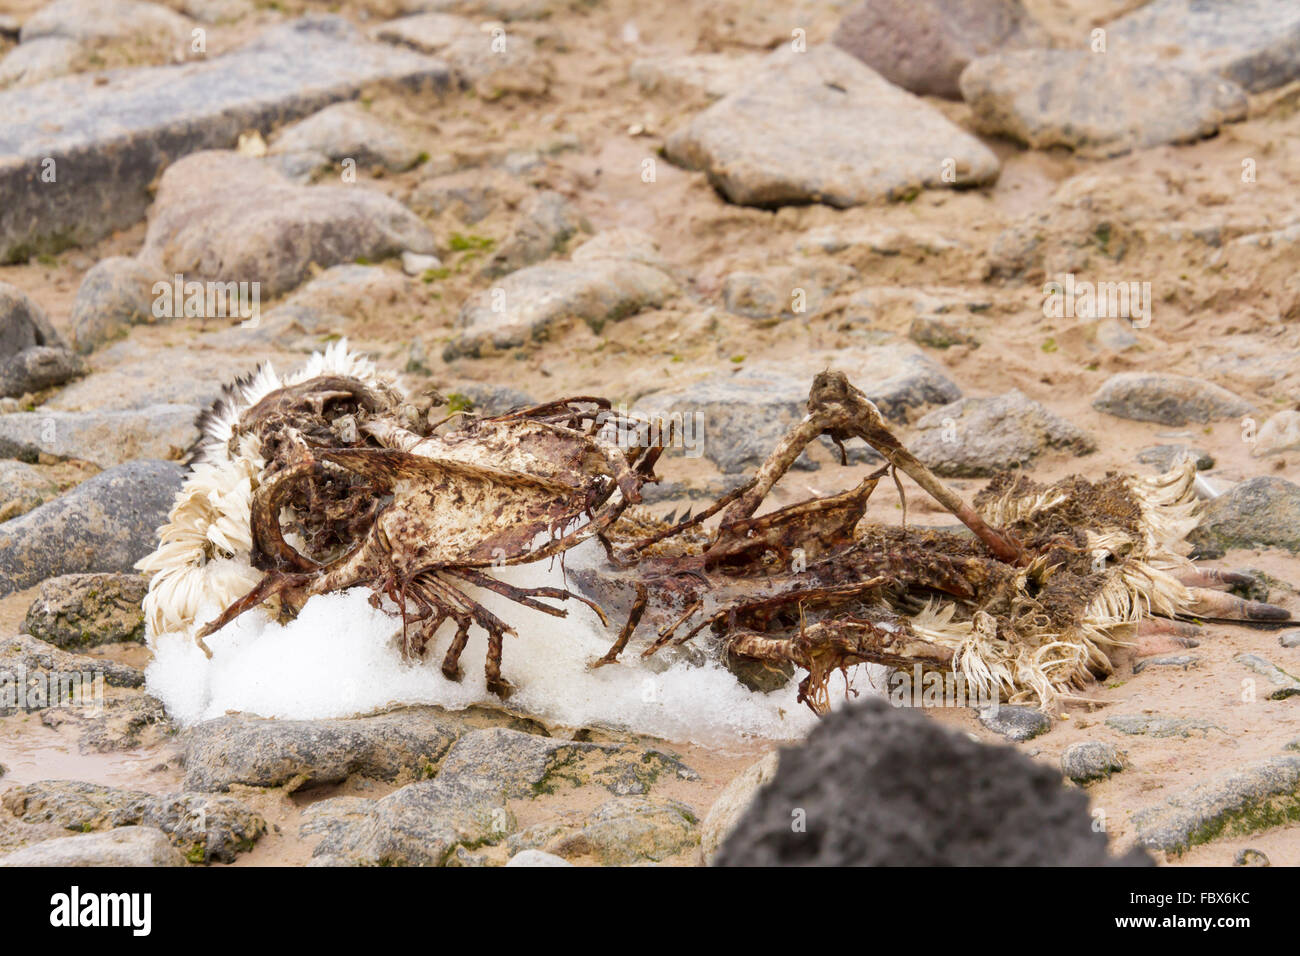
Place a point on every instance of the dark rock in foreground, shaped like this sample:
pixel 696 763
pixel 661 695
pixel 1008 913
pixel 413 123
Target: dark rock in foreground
pixel 883 786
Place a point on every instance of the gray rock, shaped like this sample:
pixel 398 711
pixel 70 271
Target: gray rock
pixel 1287 686
pixel 349 131
pixel 526 765
pixel 537 858
pixel 76 611
pixel 1254 43
pixel 130 374
pixel 874 141
pixel 1017 722
pixel 1289 638
pixel 1260 795
pixel 1249 857
pixel 116 294
pixel 91 22
pixel 40 60
pixel 545 225
pixel 272 753
pixel 1033 97
pixel 22 488
pixel 122 723
pixel 784 291
pixel 492 65
pixel 1182 661
pixel 38 368
pixel 708 76
pixel 624 244
pixel 1167 399
pixel 1090 760
pixel 923 45
pixel 203 826
pixel 55 678
pixel 1164 457
pixel 743 416
pixel 982 436
pixel 23 324
pixel 105 524
pixel 126 846
pixel 104 438
pixel 421 824
pixel 530 302
pixel 217 11
pixel 1259 513
pixel 223 217
pixel 108 141
pixel 623 832
pixel 1159 725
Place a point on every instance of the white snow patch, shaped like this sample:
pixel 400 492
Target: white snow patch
pixel 340 658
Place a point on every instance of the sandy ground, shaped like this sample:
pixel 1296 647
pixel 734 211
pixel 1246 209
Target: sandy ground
pixel 1229 329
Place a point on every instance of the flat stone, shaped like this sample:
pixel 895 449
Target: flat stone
pixel 490 62
pixel 76 611
pixel 1254 43
pixel 1289 638
pixel 1181 661
pixel 709 76
pixel 40 60
pixel 1167 399
pixel 204 827
pixel 923 45
pixel 115 294
pixel 912 241
pixel 110 140
pixel 530 302
pixel 1033 97
pixel 130 374
pixel 349 131
pixel 92 22
pixel 1287 686
pixel 104 524
pixel 1260 513
pixel 1159 725
pixel 1090 760
pixel 526 765
pixel 23 655
pixel 271 753
pixel 122 723
pixel 1260 795
pixel 22 488
pixel 982 436
pixel 628 831
pixel 125 846
pixel 730 805
pixel 224 217
pixel 1164 457
pixel 874 141
pixel 1016 722
pixel 422 824
pixel 104 438
pixel 470 196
